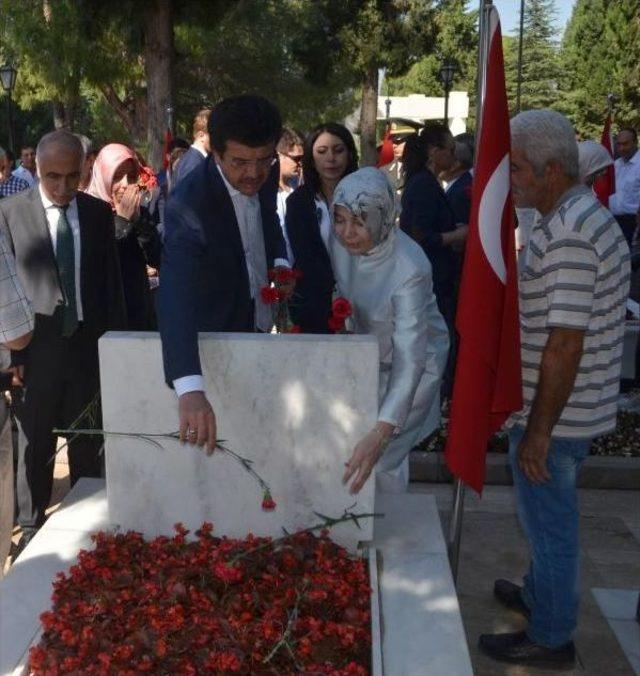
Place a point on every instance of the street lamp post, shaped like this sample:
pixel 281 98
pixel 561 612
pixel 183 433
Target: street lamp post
pixel 447 73
pixel 8 76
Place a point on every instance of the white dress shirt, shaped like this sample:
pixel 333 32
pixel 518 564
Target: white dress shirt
pixel 201 150
pixel 249 217
pixel 324 220
pixel 626 199
pixel 25 174
pixel 52 212
pixel 282 213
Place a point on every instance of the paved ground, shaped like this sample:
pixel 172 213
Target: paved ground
pixel 493 546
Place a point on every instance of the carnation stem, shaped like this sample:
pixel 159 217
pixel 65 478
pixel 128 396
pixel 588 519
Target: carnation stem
pixel 327 522
pixel 151 438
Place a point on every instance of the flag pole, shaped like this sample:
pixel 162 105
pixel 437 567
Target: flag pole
pixel 457 511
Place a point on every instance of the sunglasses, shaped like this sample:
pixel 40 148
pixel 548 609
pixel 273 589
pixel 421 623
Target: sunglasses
pixel 294 158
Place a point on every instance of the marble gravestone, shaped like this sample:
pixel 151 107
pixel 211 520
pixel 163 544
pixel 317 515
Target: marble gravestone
pixel 294 405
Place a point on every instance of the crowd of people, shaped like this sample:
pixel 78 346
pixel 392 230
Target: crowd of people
pixel 92 241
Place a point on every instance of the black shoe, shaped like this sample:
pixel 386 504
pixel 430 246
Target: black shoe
pixel 510 595
pixel 518 649
pixel 24 540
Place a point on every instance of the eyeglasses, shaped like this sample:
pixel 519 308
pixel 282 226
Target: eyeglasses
pixel 261 163
pixel 294 158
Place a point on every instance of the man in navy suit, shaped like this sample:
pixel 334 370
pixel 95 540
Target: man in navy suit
pixel 222 234
pixel 199 150
pixel 459 180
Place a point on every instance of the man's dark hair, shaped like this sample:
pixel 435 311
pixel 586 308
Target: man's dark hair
pixel 248 119
pixel 289 138
pixel 177 142
pixel 435 134
pixel 632 131
pixel 309 171
pixel 414 156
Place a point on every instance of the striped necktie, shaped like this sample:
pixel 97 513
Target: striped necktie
pixel 65 257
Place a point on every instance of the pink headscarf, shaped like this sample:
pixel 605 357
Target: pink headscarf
pixel 105 166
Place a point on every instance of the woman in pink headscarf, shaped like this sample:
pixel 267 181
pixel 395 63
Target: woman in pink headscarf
pixel 116 179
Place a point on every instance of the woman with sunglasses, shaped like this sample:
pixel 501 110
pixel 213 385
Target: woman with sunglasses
pixel 329 155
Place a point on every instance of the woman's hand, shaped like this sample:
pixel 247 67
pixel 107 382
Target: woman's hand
pixel 128 206
pixel 365 455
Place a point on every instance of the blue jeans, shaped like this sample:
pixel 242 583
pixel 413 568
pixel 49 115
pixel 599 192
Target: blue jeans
pixel 548 514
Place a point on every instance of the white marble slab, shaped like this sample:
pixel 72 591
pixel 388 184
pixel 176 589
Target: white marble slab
pixel 421 625
pixel 393 533
pixel 294 405
pixel 619 607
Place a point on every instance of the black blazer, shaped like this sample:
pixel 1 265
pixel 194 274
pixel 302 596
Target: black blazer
pixel 186 164
pixel 139 245
pixel 204 284
pixel 459 198
pixel 24 223
pixel 310 306
pixel 425 215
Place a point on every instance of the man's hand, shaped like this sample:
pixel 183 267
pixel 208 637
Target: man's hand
pixel 197 420
pixel 532 457
pixel 18 375
pixel 287 287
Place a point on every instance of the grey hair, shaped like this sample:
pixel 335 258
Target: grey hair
pixel 87 144
pixel 464 150
pixel 546 136
pixel 62 139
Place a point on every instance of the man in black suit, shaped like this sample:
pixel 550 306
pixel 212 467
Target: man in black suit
pixel 222 234
pixel 64 245
pixel 198 152
pixel 459 180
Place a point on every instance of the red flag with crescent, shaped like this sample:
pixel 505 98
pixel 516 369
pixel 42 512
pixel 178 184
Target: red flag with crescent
pixel 488 380
pixel 605 185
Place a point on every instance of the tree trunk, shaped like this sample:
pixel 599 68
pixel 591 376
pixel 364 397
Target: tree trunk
pixel 158 71
pixel 368 117
pixel 60 116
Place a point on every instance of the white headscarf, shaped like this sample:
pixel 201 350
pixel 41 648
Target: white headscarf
pixel 592 158
pixel 367 194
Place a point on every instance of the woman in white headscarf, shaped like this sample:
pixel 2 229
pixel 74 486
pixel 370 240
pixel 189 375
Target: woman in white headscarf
pixel 593 159
pixel 387 279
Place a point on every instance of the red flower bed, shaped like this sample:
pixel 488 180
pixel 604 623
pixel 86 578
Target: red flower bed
pixel 297 605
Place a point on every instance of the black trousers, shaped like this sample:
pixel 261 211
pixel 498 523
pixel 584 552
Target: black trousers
pixel 60 379
pixel 627 223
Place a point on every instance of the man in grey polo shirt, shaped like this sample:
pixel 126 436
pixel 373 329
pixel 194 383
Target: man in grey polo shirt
pixel 573 291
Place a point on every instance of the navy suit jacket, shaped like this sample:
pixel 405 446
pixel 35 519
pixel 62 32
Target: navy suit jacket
pixel 459 198
pixel 310 306
pixel 425 215
pixel 204 284
pixel 188 162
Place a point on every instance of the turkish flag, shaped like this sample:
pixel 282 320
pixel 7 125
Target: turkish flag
pixel 488 379
pixel 605 185
pixel 385 156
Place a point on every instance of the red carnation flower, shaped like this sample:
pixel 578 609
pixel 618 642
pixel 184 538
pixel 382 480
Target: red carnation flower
pixel 341 308
pixel 336 324
pixel 269 295
pixel 268 503
pixel 284 275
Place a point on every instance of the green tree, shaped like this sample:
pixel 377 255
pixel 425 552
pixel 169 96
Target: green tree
pixel 601 55
pixel 457 39
pixel 540 62
pixel 390 34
